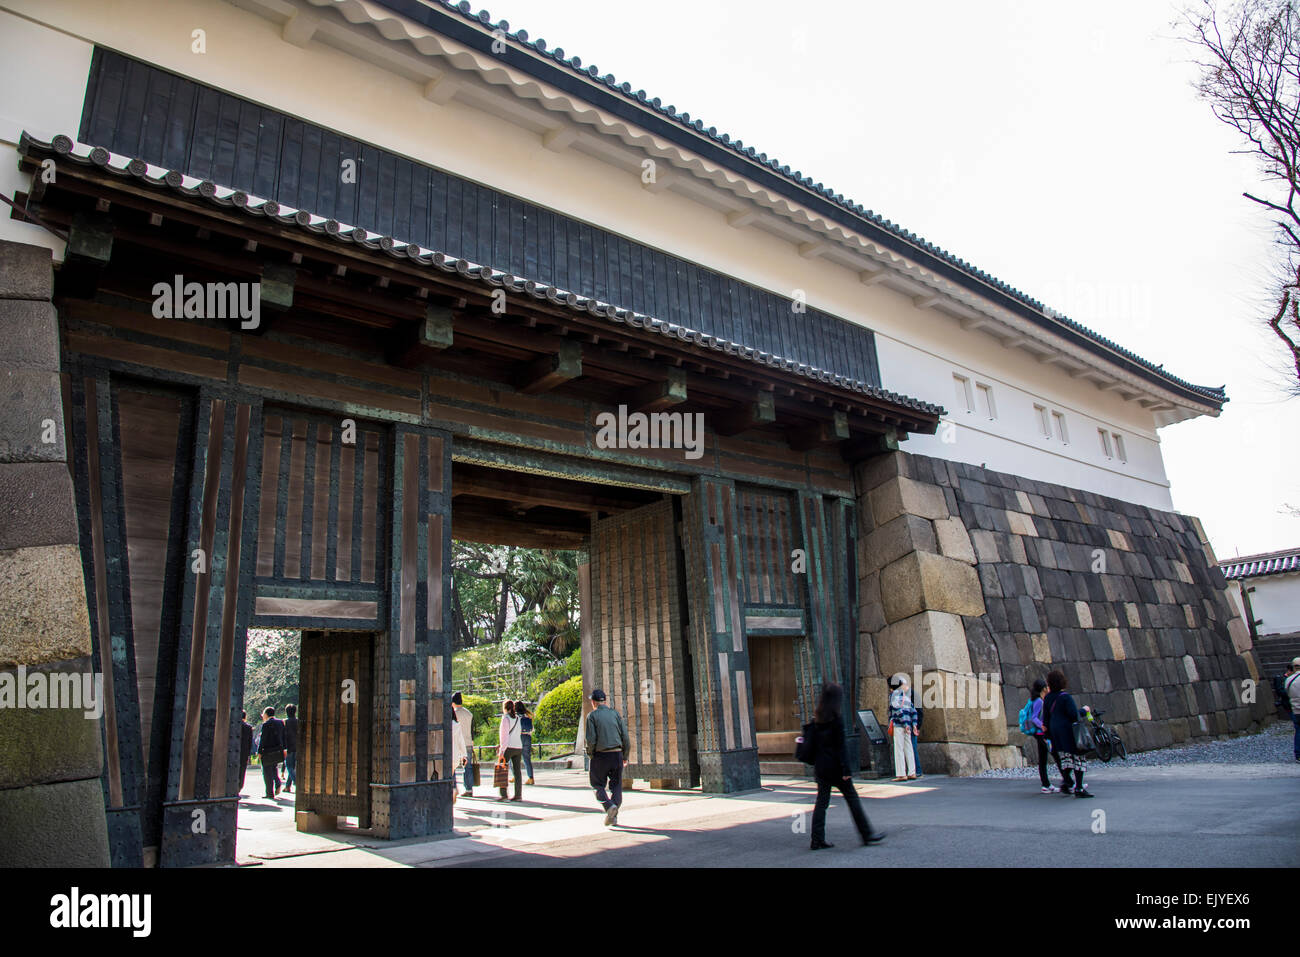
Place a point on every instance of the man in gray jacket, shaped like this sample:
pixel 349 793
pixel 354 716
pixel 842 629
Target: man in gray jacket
pixel 608 746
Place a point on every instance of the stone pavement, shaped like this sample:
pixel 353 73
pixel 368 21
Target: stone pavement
pixel 1188 816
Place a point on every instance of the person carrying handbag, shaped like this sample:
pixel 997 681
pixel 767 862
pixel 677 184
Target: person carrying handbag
pixel 510 749
pixel 1062 717
pixel 825 746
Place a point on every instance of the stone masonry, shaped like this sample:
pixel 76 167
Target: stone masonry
pixel 50 758
pixel 985 581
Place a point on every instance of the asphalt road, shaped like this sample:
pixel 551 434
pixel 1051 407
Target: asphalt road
pixel 1190 816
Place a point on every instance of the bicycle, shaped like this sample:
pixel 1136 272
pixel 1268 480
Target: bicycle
pixel 1108 742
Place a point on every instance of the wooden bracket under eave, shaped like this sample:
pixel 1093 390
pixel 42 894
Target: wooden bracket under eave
pixel 546 372
pixel 762 411
pixel 411 344
pixel 657 396
pixel 824 433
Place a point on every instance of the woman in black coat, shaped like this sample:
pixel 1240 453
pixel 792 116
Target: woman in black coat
pixel 831 768
pixel 1059 715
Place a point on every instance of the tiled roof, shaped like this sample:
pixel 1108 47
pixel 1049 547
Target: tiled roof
pixel 1255 566
pixel 861 216
pixel 250 205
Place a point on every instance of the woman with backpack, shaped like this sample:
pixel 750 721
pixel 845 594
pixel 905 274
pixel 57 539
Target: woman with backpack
pixel 1032 724
pixel 1062 713
pixel 526 736
pixel 825 747
pixel 509 748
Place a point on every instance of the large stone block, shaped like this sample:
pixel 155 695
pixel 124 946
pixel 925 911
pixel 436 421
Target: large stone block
pixel 881 468
pixel 1006 756
pixel 30 331
pixel 31 412
pixel 36 505
pixel 871 614
pixel 896 538
pixel 953 758
pixel 925 582
pixel 930 640
pixel 42 606
pixel 904 496
pixel 954 542
pixel 54 825
pixel 26 272
pixel 58 741
pixel 971 711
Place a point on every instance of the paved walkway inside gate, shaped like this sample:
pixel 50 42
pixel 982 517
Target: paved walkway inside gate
pixel 1193 815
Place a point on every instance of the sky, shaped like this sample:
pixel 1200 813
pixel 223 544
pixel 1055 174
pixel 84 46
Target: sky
pixel 1061 148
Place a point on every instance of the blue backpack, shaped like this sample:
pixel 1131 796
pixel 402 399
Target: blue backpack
pixel 1027 726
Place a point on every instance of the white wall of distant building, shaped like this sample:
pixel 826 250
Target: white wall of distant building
pixel 1274 601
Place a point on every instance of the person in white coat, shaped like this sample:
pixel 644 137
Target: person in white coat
pixel 510 747
pixel 462 739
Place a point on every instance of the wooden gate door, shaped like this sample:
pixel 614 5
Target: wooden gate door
pixel 334 724
pixel 776 700
pixel 639 655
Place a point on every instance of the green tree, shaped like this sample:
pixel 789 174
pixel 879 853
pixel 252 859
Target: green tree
pixel 271 666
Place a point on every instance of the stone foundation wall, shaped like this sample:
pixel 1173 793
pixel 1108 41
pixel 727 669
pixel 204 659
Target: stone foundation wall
pixel 978 582
pixel 51 795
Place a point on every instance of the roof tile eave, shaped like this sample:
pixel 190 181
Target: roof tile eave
pixel 1215 395
pixel 252 206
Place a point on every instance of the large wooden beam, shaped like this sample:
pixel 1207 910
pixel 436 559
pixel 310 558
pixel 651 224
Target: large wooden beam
pixel 409 345
pixel 496 526
pixel 546 372
pixel 658 396
pixel 761 411
pixel 530 490
pixel 825 433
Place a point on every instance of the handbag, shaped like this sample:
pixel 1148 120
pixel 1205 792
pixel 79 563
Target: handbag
pixel 1083 737
pixel 501 775
pixel 805 749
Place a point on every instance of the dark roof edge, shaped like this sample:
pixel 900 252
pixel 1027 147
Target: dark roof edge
pixel 568 74
pixel 138 169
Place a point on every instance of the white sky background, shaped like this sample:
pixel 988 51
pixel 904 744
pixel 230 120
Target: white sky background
pixel 1060 148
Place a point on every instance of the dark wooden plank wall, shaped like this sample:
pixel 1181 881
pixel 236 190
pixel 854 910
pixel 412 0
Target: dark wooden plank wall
pixel 637 636
pixel 284 367
pixel 323 522
pixel 724 704
pixel 412 745
pixel 139 110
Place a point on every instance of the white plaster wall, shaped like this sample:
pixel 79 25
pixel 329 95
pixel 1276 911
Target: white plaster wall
pixel 1276 603
pixel 43 76
pixel 919 349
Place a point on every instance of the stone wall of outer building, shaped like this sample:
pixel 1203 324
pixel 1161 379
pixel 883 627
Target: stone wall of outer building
pixel 51 796
pixel 985 581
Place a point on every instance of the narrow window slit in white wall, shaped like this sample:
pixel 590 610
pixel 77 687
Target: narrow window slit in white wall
pixel 965 399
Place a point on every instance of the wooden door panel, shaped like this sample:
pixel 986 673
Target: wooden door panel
pixel 334 724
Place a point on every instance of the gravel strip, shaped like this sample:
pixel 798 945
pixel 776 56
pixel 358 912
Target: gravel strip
pixel 1270 746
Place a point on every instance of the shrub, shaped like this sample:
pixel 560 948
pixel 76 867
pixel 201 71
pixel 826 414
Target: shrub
pixel 486 714
pixel 555 675
pixel 559 712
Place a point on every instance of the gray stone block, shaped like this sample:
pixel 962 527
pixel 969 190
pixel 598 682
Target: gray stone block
pixel 54 825
pixel 36 505
pixel 26 272
pixel 31 410
pixel 50 744
pixel 29 330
